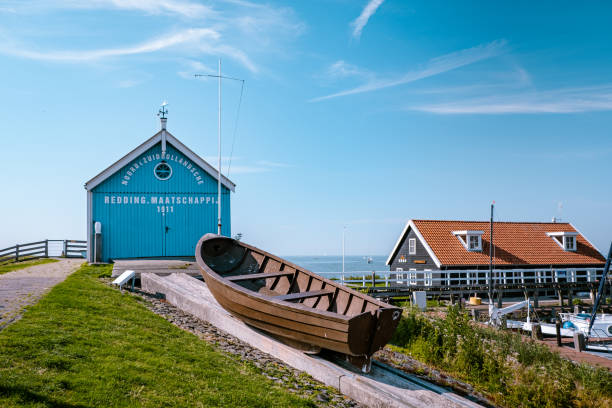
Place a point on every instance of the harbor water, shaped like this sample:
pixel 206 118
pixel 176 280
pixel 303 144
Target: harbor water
pixel 330 266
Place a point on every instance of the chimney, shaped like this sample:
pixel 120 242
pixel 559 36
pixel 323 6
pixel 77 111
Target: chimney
pixel 163 123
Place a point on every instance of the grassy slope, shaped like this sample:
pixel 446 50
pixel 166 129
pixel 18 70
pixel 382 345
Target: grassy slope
pixel 24 264
pixel 511 371
pixel 86 344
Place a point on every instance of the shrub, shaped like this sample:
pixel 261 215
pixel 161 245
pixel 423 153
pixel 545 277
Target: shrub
pixel 512 371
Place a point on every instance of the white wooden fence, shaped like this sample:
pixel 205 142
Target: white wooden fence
pixel 451 278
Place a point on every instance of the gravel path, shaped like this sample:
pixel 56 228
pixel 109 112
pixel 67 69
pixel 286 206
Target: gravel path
pixel 26 286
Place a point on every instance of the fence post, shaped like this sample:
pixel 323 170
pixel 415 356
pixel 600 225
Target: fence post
pixel 65 252
pixel 363 283
pixel 46 248
pixel 16 252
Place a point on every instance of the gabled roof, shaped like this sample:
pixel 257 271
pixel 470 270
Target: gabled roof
pixel 515 243
pixel 119 164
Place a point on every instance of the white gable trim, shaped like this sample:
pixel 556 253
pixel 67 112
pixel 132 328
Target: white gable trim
pixel 585 238
pixel 410 224
pixel 125 160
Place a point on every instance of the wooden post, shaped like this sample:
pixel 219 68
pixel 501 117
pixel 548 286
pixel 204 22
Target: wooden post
pixel 46 248
pixel 536 331
pixel 373 279
pixel 500 297
pixel 16 252
pixel 536 303
pixel 579 344
pixel 560 295
pixel 65 251
pixel 569 297
pixel 452 299
pixel 558 331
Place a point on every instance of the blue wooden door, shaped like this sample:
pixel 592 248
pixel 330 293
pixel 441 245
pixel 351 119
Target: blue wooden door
pixel 186 218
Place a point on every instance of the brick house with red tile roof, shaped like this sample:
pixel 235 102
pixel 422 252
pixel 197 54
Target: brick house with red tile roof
pixel 436 245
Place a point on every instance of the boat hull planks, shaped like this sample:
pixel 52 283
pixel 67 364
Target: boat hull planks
pixel 296 306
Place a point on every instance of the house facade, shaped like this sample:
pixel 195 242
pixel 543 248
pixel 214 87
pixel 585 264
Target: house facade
pixel 455 253
pixel 156 201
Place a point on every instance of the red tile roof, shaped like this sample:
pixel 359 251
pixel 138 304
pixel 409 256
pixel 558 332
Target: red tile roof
pixel 515 243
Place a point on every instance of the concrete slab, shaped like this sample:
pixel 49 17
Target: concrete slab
pixel 383 387
pixel 157 266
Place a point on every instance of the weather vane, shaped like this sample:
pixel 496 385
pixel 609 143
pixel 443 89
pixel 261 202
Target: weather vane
pixel 163 111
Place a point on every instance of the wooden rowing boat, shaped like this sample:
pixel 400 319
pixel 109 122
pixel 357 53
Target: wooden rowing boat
pixel 296 306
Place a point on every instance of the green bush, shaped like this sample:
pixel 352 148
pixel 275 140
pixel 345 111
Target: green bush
pixel 577 302
pixel 512 371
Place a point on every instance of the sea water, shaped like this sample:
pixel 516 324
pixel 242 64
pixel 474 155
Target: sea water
pixel 331 265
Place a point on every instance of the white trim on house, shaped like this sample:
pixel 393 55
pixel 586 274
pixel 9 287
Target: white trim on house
pixel 152 141
pixel 585 238
pixel 89 227
pixel 564 235
pixel 468 235
pixel 410 224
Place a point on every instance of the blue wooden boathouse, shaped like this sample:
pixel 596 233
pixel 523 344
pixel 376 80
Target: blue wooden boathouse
pixel 156 201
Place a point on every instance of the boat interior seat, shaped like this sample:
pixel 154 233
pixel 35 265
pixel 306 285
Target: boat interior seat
pixel 305 295
pixel 255 276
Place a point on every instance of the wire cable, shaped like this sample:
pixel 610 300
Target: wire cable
pixel 229 166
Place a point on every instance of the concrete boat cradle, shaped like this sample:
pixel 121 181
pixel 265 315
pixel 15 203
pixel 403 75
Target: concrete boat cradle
pixel 296 306
pixel 383 386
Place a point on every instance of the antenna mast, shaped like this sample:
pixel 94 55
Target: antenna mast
pixel 219 150
pixel 219 76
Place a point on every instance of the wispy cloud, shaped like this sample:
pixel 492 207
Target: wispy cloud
pixel 342 69
pixel 566 100
pixel 435 66
pixel 156 44
pixel 367 12
pixel 154 7
pixel 233 29
pixel 240 166
pixel 195 67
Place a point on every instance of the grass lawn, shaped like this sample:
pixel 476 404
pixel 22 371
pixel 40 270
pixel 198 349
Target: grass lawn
pixel 85 344
pixel 10 267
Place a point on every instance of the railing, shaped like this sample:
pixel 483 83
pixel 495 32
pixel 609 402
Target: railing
pixel 66 248
pixel 456 278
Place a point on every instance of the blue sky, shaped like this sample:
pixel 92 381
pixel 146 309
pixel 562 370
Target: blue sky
pixel 358 113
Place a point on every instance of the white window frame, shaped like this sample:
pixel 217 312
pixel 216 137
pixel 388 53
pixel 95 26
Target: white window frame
pixel 478 246
pixel 428 277
pixel 566 240
pixel 413 276
pixel 398 275
pixel 411 246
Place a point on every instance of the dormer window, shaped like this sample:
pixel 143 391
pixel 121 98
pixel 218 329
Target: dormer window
pixel 565 239
pixel 471 240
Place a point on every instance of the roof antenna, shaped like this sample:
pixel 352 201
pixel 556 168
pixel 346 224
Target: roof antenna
pixel 560 210
pixel 163 119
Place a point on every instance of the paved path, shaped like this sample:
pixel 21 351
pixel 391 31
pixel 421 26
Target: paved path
pixel 26 286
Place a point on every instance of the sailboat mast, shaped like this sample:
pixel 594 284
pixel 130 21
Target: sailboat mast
pixel 491 258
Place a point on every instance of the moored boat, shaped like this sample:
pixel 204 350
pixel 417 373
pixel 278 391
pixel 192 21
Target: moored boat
pixel 293 304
